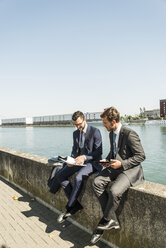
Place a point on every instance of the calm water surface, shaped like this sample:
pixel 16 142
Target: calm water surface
pixel 51 141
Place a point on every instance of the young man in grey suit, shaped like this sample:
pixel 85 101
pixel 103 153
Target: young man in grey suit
pixel 122 168
pixel 87 148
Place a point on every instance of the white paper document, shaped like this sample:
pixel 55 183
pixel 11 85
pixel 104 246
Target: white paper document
pixel 68 160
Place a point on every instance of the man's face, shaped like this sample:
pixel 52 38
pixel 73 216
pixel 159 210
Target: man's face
pixel 109 125
pixel 80 123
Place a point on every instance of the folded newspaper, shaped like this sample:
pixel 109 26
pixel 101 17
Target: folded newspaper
pixel 67 159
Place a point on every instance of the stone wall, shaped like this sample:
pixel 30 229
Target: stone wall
pixel 142 213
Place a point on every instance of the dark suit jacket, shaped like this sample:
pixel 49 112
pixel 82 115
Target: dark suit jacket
pixel 130 152
pixel 92 146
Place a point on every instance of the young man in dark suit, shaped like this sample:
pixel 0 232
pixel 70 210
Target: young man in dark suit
pixel 87 148
pixel 122 168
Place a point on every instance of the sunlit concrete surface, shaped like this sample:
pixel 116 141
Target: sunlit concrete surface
pixel 24 222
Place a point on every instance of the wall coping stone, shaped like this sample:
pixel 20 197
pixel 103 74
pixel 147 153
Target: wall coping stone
pixel 146 187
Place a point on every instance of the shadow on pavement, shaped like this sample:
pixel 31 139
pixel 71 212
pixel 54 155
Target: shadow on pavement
pixel 68 231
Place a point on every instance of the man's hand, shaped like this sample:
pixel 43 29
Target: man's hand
pixel 80 159
pixel 115 164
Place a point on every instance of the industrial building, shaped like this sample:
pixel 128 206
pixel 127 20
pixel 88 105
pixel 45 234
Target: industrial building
pixel 163 108
pixel 152 114
pixel 49 119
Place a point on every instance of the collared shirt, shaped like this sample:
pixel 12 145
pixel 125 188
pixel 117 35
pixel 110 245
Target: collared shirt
pixel 117 132
pixel 85 128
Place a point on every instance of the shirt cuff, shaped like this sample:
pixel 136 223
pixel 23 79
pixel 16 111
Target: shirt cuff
pixel 84 157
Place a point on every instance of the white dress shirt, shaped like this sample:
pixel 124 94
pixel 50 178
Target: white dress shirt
pixel 117 132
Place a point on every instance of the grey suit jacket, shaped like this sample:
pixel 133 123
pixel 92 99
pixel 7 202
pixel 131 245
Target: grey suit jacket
pixel 130 152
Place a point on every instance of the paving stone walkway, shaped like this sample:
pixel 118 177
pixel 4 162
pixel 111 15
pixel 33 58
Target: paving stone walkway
pixel 25 223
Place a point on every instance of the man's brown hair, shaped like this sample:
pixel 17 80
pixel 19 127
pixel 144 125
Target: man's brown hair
pixel 77 114
pixel 111 114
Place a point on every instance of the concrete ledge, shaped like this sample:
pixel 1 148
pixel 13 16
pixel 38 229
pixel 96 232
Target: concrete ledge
pixel 141 213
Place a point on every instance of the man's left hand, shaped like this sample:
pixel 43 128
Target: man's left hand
pixel 115 164
pixel 80 159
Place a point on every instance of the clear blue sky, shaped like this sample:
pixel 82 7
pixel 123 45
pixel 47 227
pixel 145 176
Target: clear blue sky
pixel 58 56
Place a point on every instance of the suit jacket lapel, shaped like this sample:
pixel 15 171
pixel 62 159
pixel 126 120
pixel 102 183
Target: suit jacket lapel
pixel 77 138
pixel 87 132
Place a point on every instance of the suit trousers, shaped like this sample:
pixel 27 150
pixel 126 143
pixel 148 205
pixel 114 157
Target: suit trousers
pixel 62 179
pixel 110 199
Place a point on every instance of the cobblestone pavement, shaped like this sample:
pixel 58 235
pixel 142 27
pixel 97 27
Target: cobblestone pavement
pixel 25 223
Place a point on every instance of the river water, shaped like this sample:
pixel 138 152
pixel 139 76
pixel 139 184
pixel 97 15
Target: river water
pixel 52 141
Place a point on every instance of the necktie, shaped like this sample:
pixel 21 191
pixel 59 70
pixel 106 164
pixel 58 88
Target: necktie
pixel 114 145
pixel 81 141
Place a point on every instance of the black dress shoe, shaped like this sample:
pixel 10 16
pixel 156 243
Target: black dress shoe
pixel 63 216
pixel 97 234
pixel 77 207
pixel 108 225
pixel 68 211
